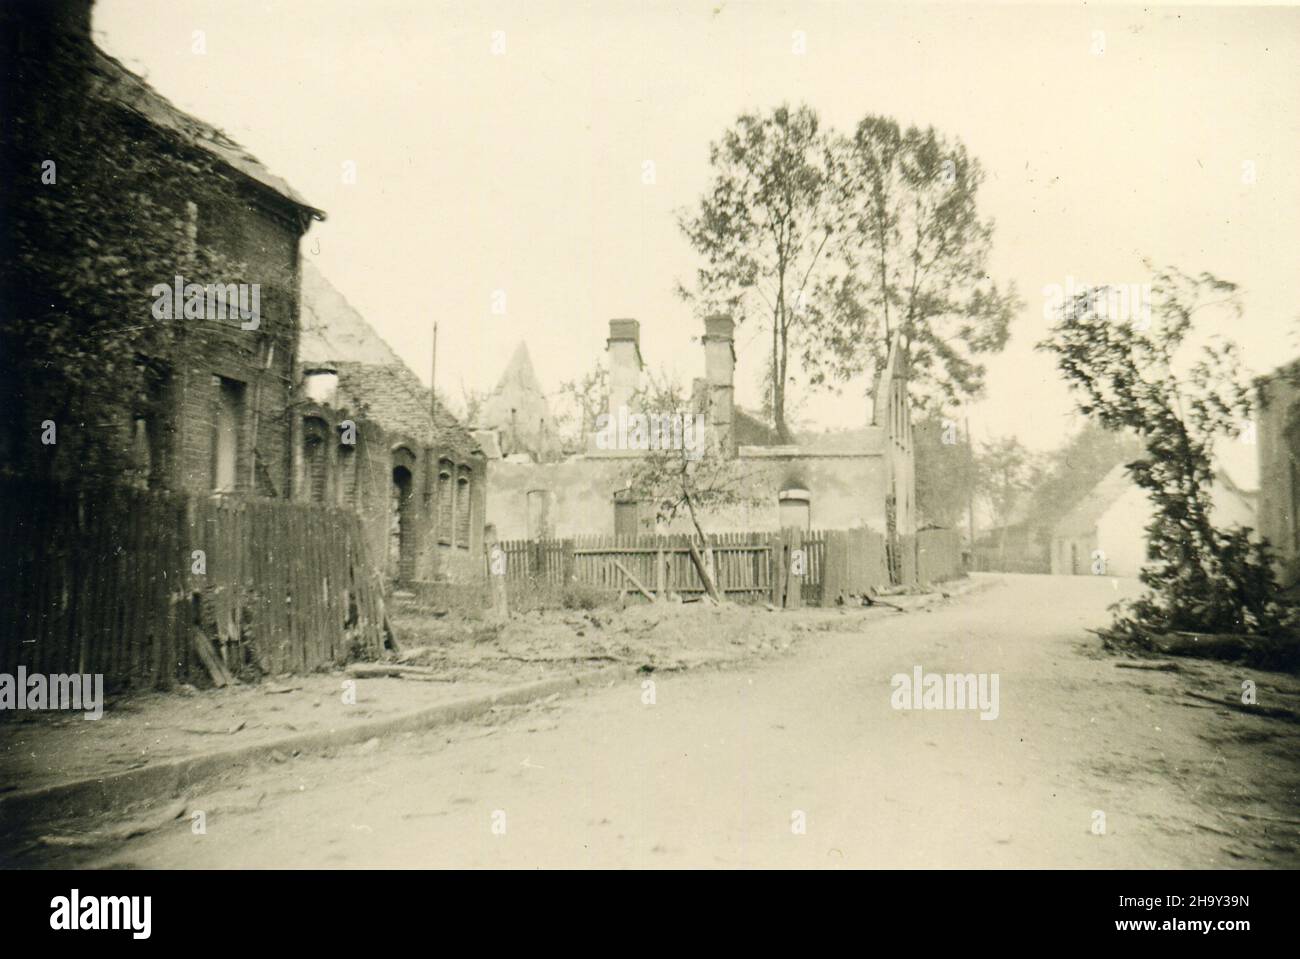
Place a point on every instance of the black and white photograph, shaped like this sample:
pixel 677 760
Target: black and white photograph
pixel 727 435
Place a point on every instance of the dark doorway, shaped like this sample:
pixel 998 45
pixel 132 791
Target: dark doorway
pixel 401 539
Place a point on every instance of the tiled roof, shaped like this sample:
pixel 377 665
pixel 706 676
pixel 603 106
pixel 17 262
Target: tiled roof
pixel 114 82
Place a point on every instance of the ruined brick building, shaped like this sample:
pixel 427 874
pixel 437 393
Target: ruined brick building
pixel 858 478
pixel 416 476
pixel 211 413
pixel 228 405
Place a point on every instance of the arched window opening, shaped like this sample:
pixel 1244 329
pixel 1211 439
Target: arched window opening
pixel 462 507
pixel 446 501
pixel 315 432
pixel 401 539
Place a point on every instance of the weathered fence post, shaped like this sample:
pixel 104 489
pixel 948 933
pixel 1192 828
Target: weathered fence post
pixel 776 567
pixel 798 569
pixel 496 563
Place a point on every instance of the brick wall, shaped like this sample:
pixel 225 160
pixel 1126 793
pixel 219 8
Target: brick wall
pixel 207 197
pixel 262 360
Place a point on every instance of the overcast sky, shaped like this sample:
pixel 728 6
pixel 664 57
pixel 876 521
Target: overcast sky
pixel 522 171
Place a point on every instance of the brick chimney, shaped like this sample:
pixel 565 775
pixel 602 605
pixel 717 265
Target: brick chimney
pixel 719 377
pixel 623 354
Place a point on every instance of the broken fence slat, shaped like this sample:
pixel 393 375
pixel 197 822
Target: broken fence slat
pixel 635 582
pixel 211 662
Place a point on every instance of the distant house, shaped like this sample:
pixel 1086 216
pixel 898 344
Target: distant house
pixel 416 477
pixel 1021 543
pixel 857 478
pixel 1105 533
pixel 1278 443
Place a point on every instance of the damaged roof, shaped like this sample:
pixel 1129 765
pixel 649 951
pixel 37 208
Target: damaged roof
pixel 115 83
pixel 372 378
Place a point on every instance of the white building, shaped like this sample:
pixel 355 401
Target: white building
pixel 1105 534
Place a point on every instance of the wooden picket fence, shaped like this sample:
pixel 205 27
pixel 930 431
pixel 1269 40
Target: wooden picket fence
pixel 748 567
pixel 110 582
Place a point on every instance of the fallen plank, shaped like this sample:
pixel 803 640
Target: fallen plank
pixel 130 830
pixel 635 582
pixel 373 670
pixel 1158 667
pixel 1277 819
pixel 554 659
pixel 1271 712
pixel 211 662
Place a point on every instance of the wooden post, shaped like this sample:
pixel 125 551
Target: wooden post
pixel 496 567
pixel 569 561
pixel 776 567
pixel 798 568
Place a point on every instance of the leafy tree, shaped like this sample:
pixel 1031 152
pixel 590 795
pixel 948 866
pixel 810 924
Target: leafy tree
pixel 1071 472
pixel 914 259
pixel 946 479
pixel 1003 471
pixel 764 232
pixel 1179 400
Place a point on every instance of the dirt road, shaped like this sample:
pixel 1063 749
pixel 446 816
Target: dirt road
pixel 725 767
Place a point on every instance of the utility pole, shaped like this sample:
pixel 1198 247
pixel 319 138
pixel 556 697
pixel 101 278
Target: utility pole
pixel 433 381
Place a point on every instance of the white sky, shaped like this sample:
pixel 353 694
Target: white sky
pixel 522 172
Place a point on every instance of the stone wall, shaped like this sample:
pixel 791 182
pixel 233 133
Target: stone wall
pixel 846 492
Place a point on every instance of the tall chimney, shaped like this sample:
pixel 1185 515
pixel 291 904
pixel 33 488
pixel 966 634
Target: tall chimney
pixel 719 375
pixel 623 352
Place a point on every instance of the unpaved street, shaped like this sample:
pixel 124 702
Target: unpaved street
pixel 723 766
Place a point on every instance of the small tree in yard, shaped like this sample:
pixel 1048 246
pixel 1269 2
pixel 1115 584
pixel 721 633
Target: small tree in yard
pixel 1202 578
pixel 682 480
